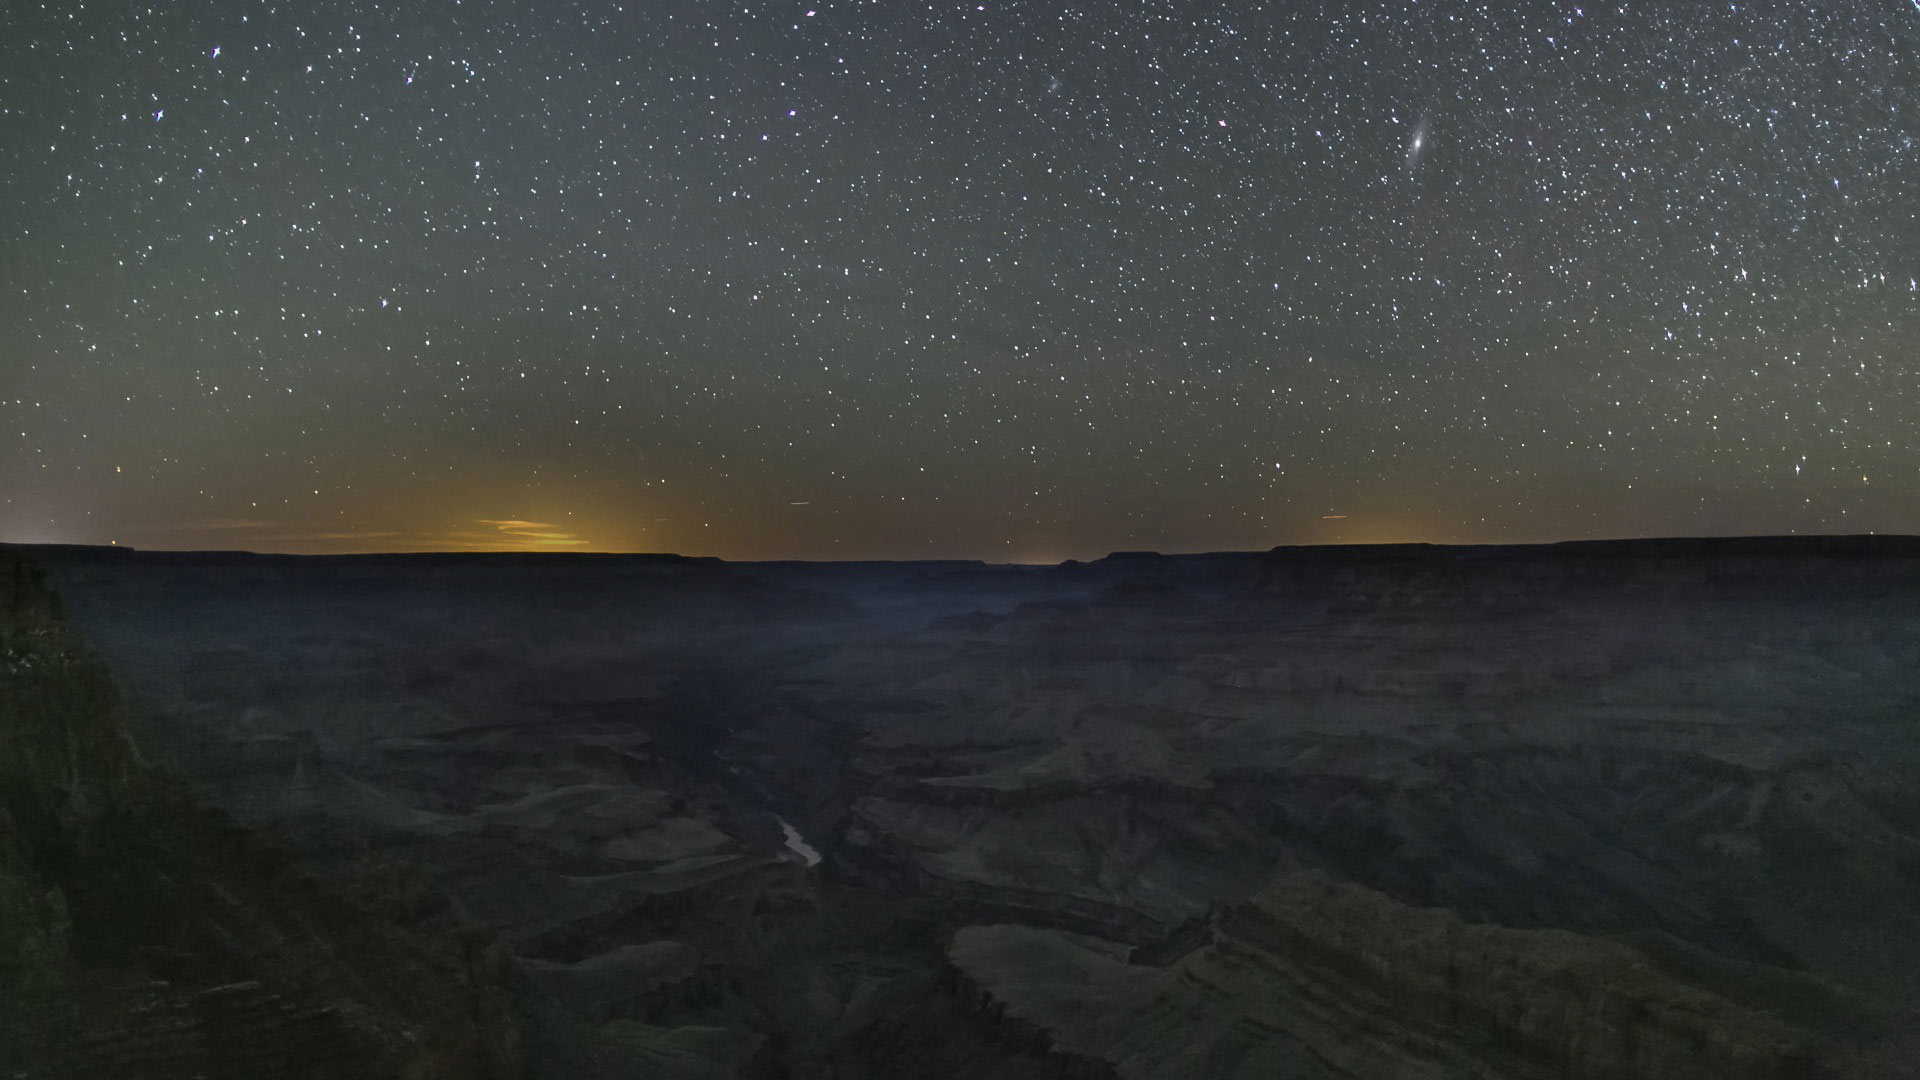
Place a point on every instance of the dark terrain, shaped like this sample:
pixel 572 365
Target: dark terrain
pixel 1636 809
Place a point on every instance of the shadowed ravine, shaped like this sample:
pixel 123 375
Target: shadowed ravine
pixel 1609 810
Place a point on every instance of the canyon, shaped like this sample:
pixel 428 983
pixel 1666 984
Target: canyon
pixel 1600 809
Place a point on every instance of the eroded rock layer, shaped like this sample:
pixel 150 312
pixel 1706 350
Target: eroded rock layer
pixel 1316 978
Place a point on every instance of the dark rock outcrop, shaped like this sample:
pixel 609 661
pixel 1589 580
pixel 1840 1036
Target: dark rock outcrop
pixel 1317 978
pixel 144 936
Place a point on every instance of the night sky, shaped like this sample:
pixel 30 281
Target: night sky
pixel 1006 280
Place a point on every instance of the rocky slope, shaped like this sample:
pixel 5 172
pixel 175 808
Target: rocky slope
pixel 143 936
pixel 1318 979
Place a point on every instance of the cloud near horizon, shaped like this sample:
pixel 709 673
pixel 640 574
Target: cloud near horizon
pixel 492 534
pixel 516 534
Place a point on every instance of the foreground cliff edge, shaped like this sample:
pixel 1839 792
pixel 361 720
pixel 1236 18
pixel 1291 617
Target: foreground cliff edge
pixel 1643 809
pixel 142 935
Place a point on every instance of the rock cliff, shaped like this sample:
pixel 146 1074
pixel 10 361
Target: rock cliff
pixel 1316 978
pixel 142 935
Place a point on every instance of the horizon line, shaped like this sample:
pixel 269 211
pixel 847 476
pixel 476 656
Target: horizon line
pixel 1110 554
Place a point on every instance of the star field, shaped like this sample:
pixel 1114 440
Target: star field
pixel 1010 280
